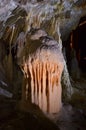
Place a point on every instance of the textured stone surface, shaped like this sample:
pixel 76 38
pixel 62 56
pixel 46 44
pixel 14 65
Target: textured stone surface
pixel 46 13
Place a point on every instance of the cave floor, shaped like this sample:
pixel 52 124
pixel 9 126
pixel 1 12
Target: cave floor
pixel 13 119
pixel 72 116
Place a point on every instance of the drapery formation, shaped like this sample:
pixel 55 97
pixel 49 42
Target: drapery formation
pixel 42 70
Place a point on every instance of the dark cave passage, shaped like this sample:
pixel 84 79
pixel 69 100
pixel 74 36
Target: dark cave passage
pixel 78 40
pixel 82 45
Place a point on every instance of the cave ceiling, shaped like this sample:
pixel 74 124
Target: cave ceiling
pixel 66 12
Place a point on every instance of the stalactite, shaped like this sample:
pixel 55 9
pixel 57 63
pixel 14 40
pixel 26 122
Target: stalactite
pixel 45 70
pixel 9 66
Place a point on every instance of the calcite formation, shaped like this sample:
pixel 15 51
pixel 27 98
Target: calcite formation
pixel 42 68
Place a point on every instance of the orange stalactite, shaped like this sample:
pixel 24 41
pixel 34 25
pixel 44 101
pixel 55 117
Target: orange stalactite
pixel 45 83
pixel 42 67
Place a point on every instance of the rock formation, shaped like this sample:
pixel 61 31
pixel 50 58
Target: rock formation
pixel 42 66
pixel 32 39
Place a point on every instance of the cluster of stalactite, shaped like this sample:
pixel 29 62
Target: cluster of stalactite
pixel 16 36
pixel 42 70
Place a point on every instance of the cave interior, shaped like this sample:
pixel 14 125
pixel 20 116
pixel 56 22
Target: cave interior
pixel 77 41
pixel 8 107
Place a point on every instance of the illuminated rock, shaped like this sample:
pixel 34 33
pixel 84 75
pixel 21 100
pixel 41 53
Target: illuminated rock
pixel 42 68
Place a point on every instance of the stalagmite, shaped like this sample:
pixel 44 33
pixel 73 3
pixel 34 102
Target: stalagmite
pixel 43 68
